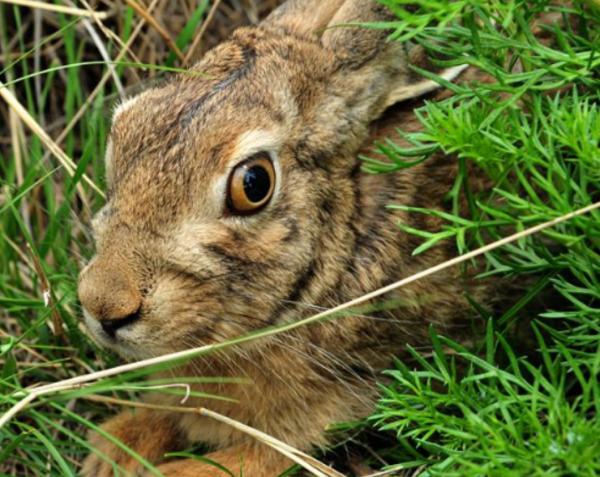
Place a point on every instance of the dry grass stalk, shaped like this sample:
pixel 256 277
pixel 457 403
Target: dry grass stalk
pixel 194 46
pixel 92 96
pixel 143 12
pixel 58 8
pixel 64 160
pixel 104 54
pixel 311 464
pixel 57 324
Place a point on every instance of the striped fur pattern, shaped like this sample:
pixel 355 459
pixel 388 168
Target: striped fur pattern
pixel 313 98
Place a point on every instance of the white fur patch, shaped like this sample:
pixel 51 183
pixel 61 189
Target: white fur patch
pixel 108 160
pixel 255 141
pixel 126 104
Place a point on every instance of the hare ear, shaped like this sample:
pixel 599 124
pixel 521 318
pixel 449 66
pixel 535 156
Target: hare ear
pixel 303 17
pixel 372 58
pixel 335 24
pixel 352 43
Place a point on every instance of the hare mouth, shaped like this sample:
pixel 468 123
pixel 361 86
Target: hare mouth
pixel 126 341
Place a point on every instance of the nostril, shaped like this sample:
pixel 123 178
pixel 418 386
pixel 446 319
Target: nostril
pixel 110 326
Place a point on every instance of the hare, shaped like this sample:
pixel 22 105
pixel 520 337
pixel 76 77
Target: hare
pixel 236 202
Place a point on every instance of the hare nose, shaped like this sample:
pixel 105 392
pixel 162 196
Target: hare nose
pixel 110 296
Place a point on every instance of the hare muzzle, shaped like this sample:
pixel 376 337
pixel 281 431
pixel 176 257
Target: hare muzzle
pixel 110 296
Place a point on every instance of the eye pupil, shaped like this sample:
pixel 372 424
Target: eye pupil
pixel 251 185
pixel 257 183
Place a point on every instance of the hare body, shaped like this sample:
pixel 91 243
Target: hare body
pixel 177 268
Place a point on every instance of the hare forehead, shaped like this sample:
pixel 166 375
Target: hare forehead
pixel 159 121
pixel 240 80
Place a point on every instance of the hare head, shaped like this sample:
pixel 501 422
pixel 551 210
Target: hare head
pixel 231 189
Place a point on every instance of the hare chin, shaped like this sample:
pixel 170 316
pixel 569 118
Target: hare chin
pixel 127 344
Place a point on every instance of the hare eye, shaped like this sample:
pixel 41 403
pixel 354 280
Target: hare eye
pixel 251 185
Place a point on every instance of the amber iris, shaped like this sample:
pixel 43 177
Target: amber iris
pixel 251 185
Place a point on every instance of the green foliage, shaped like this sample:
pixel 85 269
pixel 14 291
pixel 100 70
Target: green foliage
pixel 511 420
pixel 534 130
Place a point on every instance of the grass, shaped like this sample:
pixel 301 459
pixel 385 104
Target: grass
pixel 535 130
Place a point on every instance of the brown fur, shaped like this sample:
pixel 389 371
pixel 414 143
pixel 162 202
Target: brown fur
pixel 315 98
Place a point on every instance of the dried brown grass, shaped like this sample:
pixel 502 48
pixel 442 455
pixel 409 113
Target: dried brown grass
pixel 163 21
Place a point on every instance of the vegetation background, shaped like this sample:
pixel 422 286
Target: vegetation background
pixel 535 129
